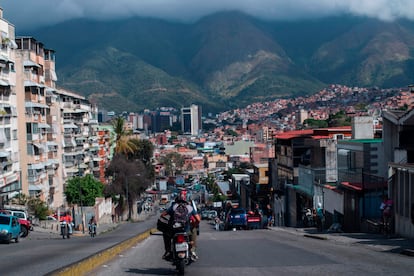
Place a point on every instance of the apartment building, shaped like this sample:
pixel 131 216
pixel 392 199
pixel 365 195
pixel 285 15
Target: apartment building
pixel 57 136
pixel 10 171
pixel 38 122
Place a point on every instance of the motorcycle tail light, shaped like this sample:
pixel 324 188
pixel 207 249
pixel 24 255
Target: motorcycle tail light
pixel 180 238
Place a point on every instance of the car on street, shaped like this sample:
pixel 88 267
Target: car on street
pixel 9 228
pixel 236 218
pixel 254 220
pixel 25 223
pixel 208 214
pixel 51 218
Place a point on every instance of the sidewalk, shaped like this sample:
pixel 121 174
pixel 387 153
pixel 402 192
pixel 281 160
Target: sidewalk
pixel 52 229
pixel 393 244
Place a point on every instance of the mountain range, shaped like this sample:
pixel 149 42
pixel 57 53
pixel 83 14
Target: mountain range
pixel 225 60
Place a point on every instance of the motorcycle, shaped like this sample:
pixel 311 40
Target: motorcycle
pixel 64 229
pixel 92 230
pixel 307 218
pixel 181 255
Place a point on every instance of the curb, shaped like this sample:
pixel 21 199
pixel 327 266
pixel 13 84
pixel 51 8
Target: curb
pixel 407 252
pixel 315 237
pixel 90 263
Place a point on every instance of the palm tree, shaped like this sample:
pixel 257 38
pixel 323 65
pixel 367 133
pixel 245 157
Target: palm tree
pixel 123 143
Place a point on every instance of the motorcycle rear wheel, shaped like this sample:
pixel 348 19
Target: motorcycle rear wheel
pixel 180 266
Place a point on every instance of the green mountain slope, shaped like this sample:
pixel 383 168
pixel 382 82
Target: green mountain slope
pixel 225 60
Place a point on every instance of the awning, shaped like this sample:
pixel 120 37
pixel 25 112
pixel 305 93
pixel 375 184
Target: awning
pixel 48 163
pixel 50 91
pixel 71 170
pixel 343 152
pixel 37 166
pixel 54 161
pixel 74 153
pixel 300 189
pixel 34 188
pixel 29 63
pixel 31 83
pixel 70 126
pixel 39 146
pixel 4 83
pixel 51 144
pixel 77 110
pixel 32 104
pixel 42 125
pixel 4 153
pixel 3 58
pixel 83 166
pixel 12 178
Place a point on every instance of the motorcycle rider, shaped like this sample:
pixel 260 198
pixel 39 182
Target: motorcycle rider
pixel 92 223
pixel 68 219
pixel 168 235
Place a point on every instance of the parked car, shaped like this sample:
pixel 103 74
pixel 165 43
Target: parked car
pixel 254 220
pixel 236 218
pixel 51 218
pixel 208 214
pixel 9 228
pixel 25 223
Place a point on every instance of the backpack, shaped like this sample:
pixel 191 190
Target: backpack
pixel 181 214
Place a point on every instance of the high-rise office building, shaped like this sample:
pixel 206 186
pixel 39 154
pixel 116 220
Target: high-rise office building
pixel 191 119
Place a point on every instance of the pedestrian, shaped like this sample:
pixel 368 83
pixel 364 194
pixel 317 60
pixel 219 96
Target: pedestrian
pixel 217 223
pixel 320 217
pixel 386 213
pixel 269 215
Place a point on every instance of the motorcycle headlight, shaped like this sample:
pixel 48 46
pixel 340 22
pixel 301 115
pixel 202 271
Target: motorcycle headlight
pixel 4 231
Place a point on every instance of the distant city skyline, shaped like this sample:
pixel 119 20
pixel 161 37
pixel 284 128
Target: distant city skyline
pixel 49 12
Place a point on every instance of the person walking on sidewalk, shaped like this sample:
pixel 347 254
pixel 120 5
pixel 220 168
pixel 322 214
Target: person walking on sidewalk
pixel 320 218
pixel 268 213
pixel 386 211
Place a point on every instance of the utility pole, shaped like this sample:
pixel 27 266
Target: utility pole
pixel 80 196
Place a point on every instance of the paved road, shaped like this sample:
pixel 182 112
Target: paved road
pixel 279 251
pixel 43 252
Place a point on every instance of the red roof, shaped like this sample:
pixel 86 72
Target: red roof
pixel 353 186
pixel 294 134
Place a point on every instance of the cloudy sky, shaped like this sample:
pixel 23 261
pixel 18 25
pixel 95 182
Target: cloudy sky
pixel 27 14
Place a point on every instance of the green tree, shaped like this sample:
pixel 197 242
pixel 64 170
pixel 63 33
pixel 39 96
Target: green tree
pixel 38 208
pixel 312 123
pixel 130 178
pixel 173 162
pixel 83 189
pixel 231 132
pixel 144 150
pixel 123 143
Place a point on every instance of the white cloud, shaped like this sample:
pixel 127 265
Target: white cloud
pixel 44 12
